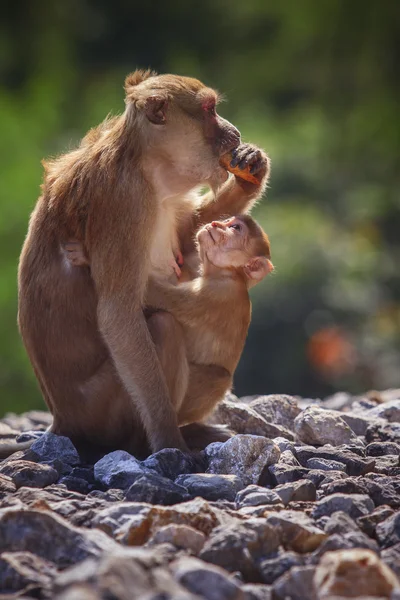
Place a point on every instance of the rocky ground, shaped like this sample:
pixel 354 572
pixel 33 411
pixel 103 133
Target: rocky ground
pixel 303 504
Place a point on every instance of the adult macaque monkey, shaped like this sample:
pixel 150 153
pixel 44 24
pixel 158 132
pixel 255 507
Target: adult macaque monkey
pixel 123 194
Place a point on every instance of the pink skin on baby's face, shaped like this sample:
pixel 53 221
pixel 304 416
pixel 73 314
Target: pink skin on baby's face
pixel 229 244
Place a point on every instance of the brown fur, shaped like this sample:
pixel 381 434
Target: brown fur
pixel 84 329
pixel 209 316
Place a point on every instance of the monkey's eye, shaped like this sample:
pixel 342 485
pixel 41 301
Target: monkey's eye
pixel 236 226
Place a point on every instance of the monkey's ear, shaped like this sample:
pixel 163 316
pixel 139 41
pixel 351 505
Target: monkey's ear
pixel 155 108
pixel 257 268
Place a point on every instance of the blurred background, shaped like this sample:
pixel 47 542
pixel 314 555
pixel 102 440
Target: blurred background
pixel 315 83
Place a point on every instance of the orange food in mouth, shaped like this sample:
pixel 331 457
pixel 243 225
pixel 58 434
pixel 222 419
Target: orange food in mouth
pixel 225 161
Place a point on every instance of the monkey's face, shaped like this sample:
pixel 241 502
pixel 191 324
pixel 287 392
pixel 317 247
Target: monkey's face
pixel 226 243
pixel 184 129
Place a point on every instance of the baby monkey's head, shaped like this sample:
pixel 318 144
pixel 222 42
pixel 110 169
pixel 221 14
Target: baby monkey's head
pixel 238 244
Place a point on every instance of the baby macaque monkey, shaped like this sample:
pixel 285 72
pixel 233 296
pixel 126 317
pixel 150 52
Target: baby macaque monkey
pixel 199 327
pixel 213 312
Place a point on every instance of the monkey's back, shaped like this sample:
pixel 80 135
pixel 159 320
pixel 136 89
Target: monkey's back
pixel 56 308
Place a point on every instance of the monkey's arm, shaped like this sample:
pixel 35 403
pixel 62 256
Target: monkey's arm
pixel 237 196
pixel 184 301
pixel 119 270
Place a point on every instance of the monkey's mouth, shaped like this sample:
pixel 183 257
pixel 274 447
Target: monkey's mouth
pixel 209 231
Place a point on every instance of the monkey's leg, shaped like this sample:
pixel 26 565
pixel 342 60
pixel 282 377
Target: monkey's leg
pixel 207 386
pixel 167 335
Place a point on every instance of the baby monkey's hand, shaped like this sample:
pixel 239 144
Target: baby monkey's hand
pixel 247 162
pixel 75 253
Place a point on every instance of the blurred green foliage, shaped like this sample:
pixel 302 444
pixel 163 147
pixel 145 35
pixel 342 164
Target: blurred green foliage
pixel 315 83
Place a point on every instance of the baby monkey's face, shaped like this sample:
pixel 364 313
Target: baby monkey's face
pixel 233 242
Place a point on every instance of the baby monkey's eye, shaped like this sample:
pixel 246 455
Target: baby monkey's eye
pixel 236 226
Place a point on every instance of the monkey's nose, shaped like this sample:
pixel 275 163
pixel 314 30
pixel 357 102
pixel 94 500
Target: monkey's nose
pixel 218 224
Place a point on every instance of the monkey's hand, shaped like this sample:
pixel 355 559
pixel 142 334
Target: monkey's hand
pixel 248 163
pixel 177 264
pixel 75 253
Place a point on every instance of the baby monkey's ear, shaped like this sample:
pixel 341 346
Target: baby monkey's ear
pixel 256 269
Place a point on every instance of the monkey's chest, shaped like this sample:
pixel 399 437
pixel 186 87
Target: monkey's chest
pixel 164 248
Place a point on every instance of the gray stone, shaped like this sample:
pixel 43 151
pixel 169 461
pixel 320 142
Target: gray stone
pixel 61 467
pixel 119 469
pixel 240 417
pixel 30 474
pixel 351 448
pixel 211 487
pixel 51 447
pixel 368 523
pixel 344 541
pixel 76 484
pixel 21 571
pixel 388 410
pixel 50 537
pixel 288 458
pixel 355 505
pixel 154 489
pixel 255 495
pixel 7 486
pixel 388 532
pixel 284 444
pixel 318 426
pixel 131 574
pixel 387 465
pixel 338 401
pixel 254 591
pixel 236 547
pixel 170 463
pixel 355 464
pixel 246 456
pixel 391 558
pixel 181 536
pixel 279 409
pixel 383 449
pixel 272 568
pixel 325 464
pixel 340 522
pixel 296 530
pixel 319 477
pixel 353 573
pixel 32 419
pixel 331 476
pixel 286 474
pixel 205 580
pixel 381 491
pixel 296 584
pixel 390 432
pixel 359 422
pixel 27 436
pixel 113 517
pixel 298 491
